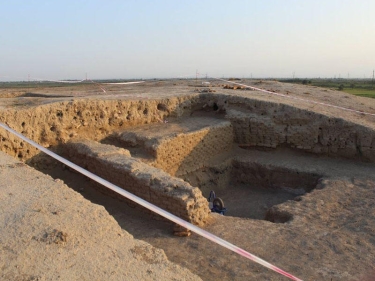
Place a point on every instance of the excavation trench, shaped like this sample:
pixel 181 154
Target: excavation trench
pixel 174 152
pixel 211 161
pixel 249 190
pixel 177 170
pixel 202 152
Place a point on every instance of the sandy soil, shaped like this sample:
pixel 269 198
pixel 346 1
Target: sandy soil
pixel 50 232
pixel 330 235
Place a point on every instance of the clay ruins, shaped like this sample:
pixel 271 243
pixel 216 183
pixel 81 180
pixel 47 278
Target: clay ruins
pixel 296 177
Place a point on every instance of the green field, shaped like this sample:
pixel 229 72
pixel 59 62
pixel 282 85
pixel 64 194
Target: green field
pixel 358 87
pixel 361 92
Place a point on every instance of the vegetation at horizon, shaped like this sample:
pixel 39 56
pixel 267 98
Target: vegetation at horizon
pixel 358 87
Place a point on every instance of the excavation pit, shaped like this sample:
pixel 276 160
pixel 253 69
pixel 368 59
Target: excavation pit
pixel 293 147
pixel 200 150
pixel 250 189
pixel 175 165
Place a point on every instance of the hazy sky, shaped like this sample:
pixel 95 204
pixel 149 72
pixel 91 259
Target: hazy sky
pixel 155 39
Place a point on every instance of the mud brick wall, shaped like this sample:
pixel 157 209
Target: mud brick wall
pixel 257 174
pixel 266 124
pixel 188 152
pixel 153 185
pixel 57 123
pixel 214 177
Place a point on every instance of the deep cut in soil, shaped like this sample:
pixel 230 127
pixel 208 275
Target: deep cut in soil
pixel 301 196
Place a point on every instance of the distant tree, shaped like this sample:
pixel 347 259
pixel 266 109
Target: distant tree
pixel 304 81
pixel 341 87
pixel 352 85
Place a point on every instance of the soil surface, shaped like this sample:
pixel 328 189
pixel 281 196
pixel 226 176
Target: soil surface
pixel 329 233
pixel 50 232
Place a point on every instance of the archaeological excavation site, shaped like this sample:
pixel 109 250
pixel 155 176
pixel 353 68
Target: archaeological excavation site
pixel 293 167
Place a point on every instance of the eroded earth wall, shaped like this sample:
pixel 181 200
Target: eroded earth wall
pixel 155 186
pixel 255 123
pixel 56 123
pixel 258 123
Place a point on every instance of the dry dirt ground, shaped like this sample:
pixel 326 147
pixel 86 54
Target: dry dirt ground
pixel 330 236
pixel 50 232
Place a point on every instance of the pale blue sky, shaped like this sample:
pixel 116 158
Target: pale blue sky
pixel 156 39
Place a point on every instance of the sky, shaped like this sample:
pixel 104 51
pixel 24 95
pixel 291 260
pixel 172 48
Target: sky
pixel 164 39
